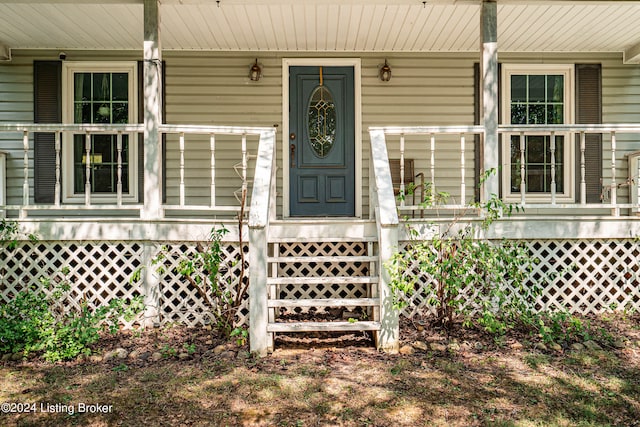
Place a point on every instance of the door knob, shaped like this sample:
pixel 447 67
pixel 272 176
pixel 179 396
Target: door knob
pixel 292 136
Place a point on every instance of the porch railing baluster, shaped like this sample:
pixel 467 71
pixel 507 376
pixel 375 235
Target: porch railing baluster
pixel 433 169
pixel 119 172
pixel 87 183
pixel 212 146
pixel 182 190
pixel 25 183
pixel 244 162
pixel 57 188
pixel 523 181
pixel 463 189
pixel 402 195
pixel 614 196
pixel 553 167
pixel 583 169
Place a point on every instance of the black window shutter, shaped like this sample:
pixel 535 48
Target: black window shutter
pixel 589 111
pixel 47 108
pixel 141 137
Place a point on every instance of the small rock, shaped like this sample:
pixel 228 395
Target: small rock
pixel 420 345
pixel 228 354
pixel 577 346
pixel 145 356
pixel 208 342
pixel 453 347
pixel 438 347
pixel 17 357
pixel 592 345
pixel 95 358
pixel 619 344
pixel 465 347
pixel 541 346
pixel 135 354
pixel 406 349
pixel 516 345
pixel 183 356
pixel 556 347
pixel 219 349
pixel 156 356
pixel 121 353
pixel 478 346
pixel 207 327
pixel 243 355
pixel 6 357
pixel 420 328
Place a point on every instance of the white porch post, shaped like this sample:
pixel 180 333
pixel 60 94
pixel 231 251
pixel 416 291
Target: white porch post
pixel 489 76
pixel 152 67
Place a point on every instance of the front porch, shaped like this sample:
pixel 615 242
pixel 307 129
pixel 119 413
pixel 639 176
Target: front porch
pixel 115 151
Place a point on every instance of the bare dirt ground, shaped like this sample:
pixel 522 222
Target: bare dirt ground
pixel 188 377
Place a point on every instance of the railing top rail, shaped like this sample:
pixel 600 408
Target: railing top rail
pixel 589 128
pixel 230 130
pixel 133 127
pixel 426 130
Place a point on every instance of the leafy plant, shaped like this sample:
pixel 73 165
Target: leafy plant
pixel 39 319
pixel 241 336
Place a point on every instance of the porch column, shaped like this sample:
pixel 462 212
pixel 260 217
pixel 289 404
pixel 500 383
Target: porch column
pixel 489 76
pixel 152 69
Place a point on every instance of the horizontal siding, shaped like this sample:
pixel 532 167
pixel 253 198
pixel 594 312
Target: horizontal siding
pixel 213 88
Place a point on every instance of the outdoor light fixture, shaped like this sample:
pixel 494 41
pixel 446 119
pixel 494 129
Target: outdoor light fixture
pixel 385 72
pixel 255 72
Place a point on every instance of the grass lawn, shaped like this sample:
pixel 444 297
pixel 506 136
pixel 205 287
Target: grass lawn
pixel 474 381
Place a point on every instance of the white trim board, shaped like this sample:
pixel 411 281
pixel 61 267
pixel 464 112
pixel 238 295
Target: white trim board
pixel 357 76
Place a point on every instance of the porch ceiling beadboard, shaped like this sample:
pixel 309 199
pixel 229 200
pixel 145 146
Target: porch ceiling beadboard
pixel 331 26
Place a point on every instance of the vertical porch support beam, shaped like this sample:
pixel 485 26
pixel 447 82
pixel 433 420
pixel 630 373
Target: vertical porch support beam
pixel 388 338
pixel 490 101
pixel 152 69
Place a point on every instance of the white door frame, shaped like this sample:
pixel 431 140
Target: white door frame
pixel 357 81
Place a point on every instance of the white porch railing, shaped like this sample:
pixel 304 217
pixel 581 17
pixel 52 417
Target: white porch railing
pixel 90 201
pixel 428 149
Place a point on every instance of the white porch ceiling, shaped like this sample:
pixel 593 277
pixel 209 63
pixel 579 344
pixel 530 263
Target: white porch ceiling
pixel 326 26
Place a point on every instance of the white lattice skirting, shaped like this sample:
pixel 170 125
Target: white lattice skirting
pixel 592 275
pixel 581 276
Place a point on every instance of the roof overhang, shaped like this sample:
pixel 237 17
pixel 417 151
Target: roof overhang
pixel 324 26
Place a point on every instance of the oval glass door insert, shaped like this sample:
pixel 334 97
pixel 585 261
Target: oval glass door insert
pixel 321 121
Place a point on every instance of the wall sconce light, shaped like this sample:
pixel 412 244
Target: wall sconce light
pixel 385 72
pixel 255 72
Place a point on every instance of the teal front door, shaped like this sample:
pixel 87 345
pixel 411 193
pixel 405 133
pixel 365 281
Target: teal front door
pixel 321 141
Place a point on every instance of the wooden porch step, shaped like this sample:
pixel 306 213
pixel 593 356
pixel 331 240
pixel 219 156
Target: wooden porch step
pixel 321 280
pixel 323 326
pixel 341 302
pixel 322 259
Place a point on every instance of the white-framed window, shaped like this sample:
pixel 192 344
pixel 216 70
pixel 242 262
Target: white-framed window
pixel 538 94
pixel 99 93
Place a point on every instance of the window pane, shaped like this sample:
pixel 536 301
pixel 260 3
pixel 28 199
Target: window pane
pixel 101 87
pixel 535 179
pixel 518 88
pixel 120 86
pixel 536 88
pixel 555 88
pixel 537 114
pixel 82 86
pixel 101 113
pixel 536 147
pixel 120 113
pixel 555 114
pixel 518 114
